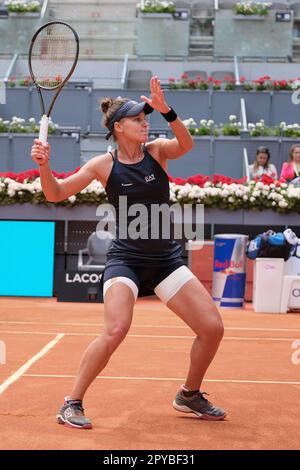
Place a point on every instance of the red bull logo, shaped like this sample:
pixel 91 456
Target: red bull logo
pixel 229 263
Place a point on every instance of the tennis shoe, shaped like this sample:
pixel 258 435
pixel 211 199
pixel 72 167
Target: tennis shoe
pixel 71 414
pixel 199 405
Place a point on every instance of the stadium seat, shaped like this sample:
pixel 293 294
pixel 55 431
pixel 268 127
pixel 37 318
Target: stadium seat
pixel 220 74
pixel 96 250
pixel 192 74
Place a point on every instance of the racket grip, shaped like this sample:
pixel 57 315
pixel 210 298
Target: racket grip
pixel 44 129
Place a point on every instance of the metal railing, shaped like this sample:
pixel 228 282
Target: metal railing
pixel 124 71
pixel 244 115
pixel 11 66
pixel 236 71
pixel 44 10
pixel 246 164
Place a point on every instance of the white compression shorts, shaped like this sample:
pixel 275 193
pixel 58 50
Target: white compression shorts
pixel 165 290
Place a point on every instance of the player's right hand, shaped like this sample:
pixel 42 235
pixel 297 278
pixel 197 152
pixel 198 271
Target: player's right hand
pixel 40 153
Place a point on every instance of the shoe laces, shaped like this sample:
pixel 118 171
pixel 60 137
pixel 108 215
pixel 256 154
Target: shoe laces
pixel 201 395
pixel 78 408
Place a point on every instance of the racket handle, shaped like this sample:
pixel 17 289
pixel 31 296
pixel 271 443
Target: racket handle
pixel 44 129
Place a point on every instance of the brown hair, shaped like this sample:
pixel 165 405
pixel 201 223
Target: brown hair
pixel 109 106
pixel 293 147
pixel 262 150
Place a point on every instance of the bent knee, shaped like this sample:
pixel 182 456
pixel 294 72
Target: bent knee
pixel 116 334
pixel 213 329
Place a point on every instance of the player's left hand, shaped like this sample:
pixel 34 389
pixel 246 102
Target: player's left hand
pixel 157 100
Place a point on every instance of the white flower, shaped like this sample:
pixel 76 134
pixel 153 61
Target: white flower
pixel 232 118
pixel 189 122
pixel 295 84
pixel 72 199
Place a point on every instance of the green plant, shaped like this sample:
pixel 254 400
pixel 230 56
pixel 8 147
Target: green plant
pixel 19 126
pixel 288 130
pixel 260 130
pixel 252 8
pixel 233 127
pixel 23 6
pixel 156 6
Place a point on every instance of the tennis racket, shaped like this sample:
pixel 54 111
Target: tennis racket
pixel 52 59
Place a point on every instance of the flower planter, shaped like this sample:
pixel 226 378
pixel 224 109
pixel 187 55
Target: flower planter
pixel 161 35
pixel 155 15
pixel 249 17
pixel 259 36
pixel 28 14
pixel 29 211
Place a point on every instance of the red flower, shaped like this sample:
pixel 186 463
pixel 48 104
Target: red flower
pixel 229 79
pixel 184 75
pixel 266 179
pixel 242 79
pixel 180 181
pixel 172 79
pixel 199 180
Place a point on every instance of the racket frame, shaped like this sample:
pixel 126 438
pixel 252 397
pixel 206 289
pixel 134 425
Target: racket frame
pixel 45 116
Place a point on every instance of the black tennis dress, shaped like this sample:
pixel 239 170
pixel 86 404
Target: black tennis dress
pixel 146 260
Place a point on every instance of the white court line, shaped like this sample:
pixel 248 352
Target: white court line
pixel 230 338
pixel 262 382
pixel 29 363
pixel 237 328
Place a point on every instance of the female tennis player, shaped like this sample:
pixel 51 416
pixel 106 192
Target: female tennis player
pixel 137 170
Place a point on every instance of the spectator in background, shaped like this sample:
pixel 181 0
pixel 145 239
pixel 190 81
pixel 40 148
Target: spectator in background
pixel 261 165
pixel 291 169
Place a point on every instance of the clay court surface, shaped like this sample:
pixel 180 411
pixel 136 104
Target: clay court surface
pixel 253 377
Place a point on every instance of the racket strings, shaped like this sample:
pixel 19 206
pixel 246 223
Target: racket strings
pixel 53 56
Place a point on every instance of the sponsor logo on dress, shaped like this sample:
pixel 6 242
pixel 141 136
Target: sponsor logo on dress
pixel 149 178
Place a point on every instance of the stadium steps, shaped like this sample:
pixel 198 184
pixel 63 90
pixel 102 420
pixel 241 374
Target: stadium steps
pixel 202 46
pixel 296 49
pixel 106 30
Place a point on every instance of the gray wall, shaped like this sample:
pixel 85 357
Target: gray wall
pixel 224 155
pixel 108 73
pixel 15 153
pixel 76 107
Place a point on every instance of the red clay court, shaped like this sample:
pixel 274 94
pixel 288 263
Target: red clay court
pixel 255 377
